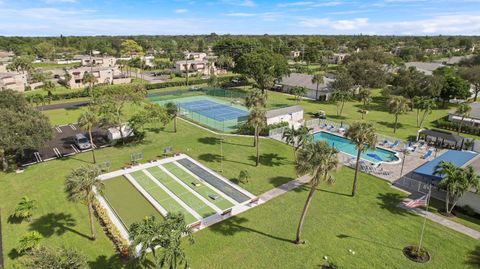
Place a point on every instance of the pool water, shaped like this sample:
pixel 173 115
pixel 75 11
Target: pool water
pixel 343 145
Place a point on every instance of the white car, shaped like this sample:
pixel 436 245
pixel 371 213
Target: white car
pixel 82 142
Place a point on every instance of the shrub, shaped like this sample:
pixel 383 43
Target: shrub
pixel 246 129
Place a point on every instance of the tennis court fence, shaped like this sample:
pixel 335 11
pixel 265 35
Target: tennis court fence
pixel 227 94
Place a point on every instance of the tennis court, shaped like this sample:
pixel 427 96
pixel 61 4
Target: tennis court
pixel 211 112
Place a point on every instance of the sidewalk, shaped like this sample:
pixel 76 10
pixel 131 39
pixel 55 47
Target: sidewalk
pixel 266 196
pixel 444 222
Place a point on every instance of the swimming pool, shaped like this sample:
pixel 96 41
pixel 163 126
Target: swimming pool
pixel 343 144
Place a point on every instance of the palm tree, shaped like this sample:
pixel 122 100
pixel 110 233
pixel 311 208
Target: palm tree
pixel 398 105
pixel 317 160
pixel 463 110
pixel 79 185
pixel 317 79
pixel 244 176
pixel 87 120
pixel 145 233
pixel 423 104
pixel 29 241
pixel 25 208
pixel 255 98
pixel 172 112
pixel 90 79
pixel 173 228
pixel 257 119
pixel 365 98
pixel 289 136
pixel 456 181
pixel 363 136
pixel 298 92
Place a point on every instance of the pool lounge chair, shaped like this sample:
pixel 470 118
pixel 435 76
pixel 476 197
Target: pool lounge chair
pixel 394 144
pixel 324 126
pixel 385 142
pixel 428 154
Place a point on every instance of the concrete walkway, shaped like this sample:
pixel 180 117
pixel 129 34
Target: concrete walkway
pixel 273 193
pixel 444 222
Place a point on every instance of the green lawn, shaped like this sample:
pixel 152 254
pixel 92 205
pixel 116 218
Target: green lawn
pixel 50 66
pixel 436 206
pixel 56 90
pixel 127 201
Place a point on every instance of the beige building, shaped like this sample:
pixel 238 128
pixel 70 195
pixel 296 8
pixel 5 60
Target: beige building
pixel 195 66
pixel 103 75
pixel 13 81
pixel 5 58
pixel 197 56
pixel 87 60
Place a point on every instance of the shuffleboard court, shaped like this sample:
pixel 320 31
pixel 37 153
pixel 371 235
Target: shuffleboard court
pixel 163 198
pixel 181 192
pixel 197 186
pixel 129 204
pixel 214 180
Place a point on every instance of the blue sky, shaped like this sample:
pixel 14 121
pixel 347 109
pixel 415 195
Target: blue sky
pixel 129 17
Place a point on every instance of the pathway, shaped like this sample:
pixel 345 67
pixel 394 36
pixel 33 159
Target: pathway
pixel 444 221
pixel 273 193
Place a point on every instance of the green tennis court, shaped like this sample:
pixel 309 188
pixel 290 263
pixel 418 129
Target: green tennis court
pixel 127 202
pixel 181 192
pixel 197 186
pixel 165 200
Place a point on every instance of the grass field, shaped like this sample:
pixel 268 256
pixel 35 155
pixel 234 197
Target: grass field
pixel 127 201
pixel 370 224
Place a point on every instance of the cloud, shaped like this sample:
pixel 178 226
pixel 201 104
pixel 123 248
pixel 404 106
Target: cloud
pixel 310 4
pixel 335 24
pixel 241 3
pixel 59 1
pixel 180 10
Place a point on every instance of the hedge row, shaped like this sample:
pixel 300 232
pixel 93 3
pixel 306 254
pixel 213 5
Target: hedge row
pixel 121 245
pixel 161 85
pixel 246 129
pixel 453 126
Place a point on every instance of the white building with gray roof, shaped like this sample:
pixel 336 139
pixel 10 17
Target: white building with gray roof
pixel 304 80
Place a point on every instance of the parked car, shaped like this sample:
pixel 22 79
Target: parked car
pixel 82 142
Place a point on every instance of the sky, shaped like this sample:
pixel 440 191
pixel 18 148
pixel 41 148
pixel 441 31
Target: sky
pixel 172 17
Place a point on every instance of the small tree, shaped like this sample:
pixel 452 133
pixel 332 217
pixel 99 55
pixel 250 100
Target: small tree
pixel 89 78
pixel 365 97
pixel 146 234
pixel 25 208
pixel 87 120
pixel 424 104
pixel 363 136
pixel 172 112
pixel 298 92
pixel 340 98
pixel 28 241
pixel 317 79
pixel 456 181
pixel 244 176
pixel 398 105
pixel 43 257
pixel 213 81
pixel 79 185
pixel 463 110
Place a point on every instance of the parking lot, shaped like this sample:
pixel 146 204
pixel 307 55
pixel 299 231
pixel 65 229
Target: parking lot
pixel 62 144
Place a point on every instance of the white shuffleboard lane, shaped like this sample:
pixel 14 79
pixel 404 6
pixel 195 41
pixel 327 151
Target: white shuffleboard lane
pixel 224 195
pixel 218 210
pixel 176 198
pixel 145 194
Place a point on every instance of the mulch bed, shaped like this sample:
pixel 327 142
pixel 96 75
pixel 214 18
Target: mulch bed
pixel 411 253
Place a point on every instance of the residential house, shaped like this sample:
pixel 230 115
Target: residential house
pixel 197 56
pixel 203 67
pixel 104 75
pixel 294 54
pixel 304 80
pixel 337 58
pixel 5 58
pixel 473 119
pixel 426 68
pixel 292 114
pixel 14 81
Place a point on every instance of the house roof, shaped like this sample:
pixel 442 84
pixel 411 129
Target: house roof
pixel 458 158
pixel 453 60
pixel 443 135
pixel 474 113
pixel 283 111
pixel 304 80
pixel 8 74
pixel 426 68
pixel 87 68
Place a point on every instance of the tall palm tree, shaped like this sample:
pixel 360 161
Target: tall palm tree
pixel 398 105
pixel 363 136
pixel 365 97
pixel 258 120
pixel 25 208
pixel 255 98
pixel 87 120
pixel 463 110
pixel 90 79
pixel 289 136
pixel 145 233
pixel 317 79
pixel 172 112
pixel 79 185
pixel 173 228
pixel 317 160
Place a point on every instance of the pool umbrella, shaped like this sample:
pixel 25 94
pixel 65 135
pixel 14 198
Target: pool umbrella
pixel 375 156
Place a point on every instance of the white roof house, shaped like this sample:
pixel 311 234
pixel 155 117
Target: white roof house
pixel 472 119
pixel 304 80
pixel 292 114
pixel 426 68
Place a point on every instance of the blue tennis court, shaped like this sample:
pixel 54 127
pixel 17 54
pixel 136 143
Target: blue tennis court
pixel 213 110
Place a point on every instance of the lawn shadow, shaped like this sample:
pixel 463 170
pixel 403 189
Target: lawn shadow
pixel 155 129
pixel 55 223
pixel 391 124
pixel 334 192
pixel 337 117
pixel 211 157
pixel 114 261
pixel 12 219
pixel 279 181
pixel 390 201
pixel 209 140
pixel 474 257
pixel 269 159
pixel 234 225
pixel 13 254
pixel 345 236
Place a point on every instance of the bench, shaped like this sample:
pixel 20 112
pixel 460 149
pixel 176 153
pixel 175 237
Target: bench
pixel 196 225
pixel 254 201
